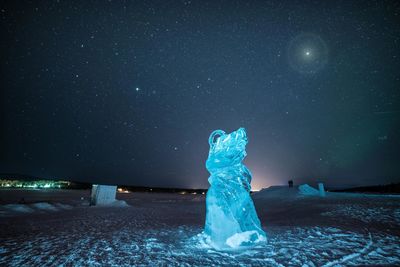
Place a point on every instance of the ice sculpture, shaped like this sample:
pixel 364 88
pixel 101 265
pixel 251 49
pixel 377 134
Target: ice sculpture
pixel 231 219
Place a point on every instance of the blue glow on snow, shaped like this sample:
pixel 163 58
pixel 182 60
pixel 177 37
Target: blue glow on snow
pixel 231 219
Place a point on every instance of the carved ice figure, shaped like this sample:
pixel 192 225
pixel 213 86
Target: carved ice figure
pixel 231 219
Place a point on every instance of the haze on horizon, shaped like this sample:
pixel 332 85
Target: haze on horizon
pixel 128 92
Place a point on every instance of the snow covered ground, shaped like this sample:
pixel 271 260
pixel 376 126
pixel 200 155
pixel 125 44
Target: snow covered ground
pixel 59 228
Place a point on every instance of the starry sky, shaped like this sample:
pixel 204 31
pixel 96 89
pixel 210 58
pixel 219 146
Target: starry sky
pixel 128 92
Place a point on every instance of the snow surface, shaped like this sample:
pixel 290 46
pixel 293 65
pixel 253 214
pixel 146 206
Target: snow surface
pixel 16 209
pixel 165 230
pixel 44 206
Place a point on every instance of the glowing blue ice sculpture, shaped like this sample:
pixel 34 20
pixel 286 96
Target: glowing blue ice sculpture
pixel 231 219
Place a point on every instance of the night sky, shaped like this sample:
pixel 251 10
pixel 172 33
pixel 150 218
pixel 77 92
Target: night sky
pixel 127 92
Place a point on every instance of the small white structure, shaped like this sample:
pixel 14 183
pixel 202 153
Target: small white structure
pixel 103 194
pixel 321 189
pixel 307 190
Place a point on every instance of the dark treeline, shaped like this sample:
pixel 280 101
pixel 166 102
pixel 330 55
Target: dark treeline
pixel 393 188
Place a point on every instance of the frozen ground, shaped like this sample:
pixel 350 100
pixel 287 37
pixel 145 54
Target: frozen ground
pixel 59 228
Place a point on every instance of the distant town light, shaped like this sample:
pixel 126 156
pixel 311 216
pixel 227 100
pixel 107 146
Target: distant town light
pixel 121 190
pixel 45 184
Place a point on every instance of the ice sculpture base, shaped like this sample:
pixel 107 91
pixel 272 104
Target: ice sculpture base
pixel 237 242
pixel 245 239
